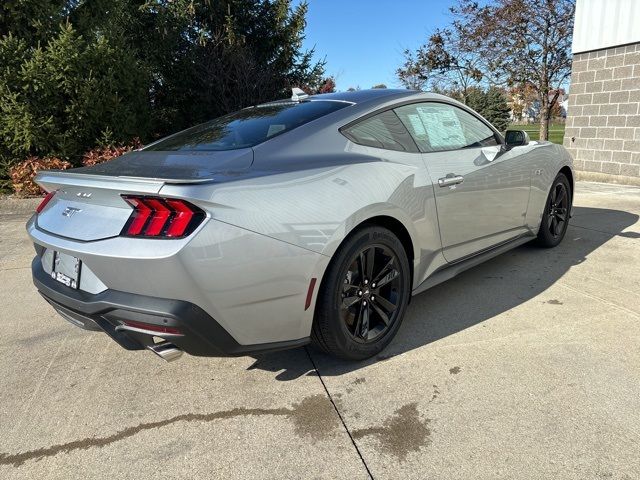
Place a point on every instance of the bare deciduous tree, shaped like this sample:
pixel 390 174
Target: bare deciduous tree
pixel 526 43
pixel 414 73
pixel 522 44
pixel 449 62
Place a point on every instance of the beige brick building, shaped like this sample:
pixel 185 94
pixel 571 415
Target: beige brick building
pixel 603 121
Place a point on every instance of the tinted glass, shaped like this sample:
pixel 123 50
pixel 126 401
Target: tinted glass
pixel 247 127
pixel 439 126
pixel 384 130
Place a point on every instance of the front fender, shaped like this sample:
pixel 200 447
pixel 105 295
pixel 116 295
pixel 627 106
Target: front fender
pixel 548 162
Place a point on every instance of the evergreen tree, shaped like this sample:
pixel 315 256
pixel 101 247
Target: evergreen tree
pixel 237 53
pixel 57 100
pixel 78 72
pixel 496 108
pixel 33 21
pixel 476 98
pixel 491 104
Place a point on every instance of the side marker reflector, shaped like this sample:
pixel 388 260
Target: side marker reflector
pixel 312 285
pixel 45 200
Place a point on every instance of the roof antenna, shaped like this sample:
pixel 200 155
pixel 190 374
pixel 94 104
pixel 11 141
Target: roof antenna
pixel 298 94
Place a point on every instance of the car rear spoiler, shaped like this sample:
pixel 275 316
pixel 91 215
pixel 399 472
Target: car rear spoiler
pixel 52 179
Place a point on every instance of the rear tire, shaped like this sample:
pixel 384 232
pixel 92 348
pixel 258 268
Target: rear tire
pixel 363 295
pixel 555 217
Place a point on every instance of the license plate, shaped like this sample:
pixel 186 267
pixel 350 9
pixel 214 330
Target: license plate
pixel 66 269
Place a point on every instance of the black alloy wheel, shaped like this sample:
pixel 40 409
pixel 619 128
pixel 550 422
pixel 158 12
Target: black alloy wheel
pixel 558 211
pixel 363 295
pixel 555 218
pixel 370 293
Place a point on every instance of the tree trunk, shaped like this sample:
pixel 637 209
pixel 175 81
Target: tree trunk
pixel 545 113
pixel 544 122
pixel 545 110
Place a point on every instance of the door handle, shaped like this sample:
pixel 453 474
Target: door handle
pixel 450 180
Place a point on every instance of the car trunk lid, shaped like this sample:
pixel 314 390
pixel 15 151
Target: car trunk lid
pixel 88 204
pixel 88 208
pixel 173 167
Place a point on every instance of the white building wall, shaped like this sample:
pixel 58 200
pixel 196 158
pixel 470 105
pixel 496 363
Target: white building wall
pixel 605 23
pixel 603 122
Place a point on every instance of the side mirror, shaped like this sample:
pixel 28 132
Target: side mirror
pixel 515 138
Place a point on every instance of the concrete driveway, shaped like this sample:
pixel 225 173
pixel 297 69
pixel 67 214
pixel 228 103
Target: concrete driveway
pixel 525 367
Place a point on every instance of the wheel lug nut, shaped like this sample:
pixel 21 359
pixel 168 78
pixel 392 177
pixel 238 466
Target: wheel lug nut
pixel 373 297
pixel 360 292
pixel 373 285
pixel 366 282
pixel 364 303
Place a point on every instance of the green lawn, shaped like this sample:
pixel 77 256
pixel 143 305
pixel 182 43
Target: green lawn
pixel 556 131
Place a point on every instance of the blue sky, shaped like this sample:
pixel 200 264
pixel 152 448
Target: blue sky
pixel 363 40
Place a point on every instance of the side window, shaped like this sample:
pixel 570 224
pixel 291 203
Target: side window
pixel 440 126
pixel 383 130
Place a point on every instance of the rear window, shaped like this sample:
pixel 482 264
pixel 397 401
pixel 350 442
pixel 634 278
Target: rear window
pixel 384 130
pixel 247 127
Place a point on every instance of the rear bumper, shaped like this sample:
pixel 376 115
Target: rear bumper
pixel 200 334
pixel 254 286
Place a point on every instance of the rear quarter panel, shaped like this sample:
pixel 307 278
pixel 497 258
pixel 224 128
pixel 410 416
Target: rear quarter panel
pixel 316 208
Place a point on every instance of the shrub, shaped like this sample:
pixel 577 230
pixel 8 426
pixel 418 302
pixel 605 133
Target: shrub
pixel 109 152
pixel 23 173
pixel 58 98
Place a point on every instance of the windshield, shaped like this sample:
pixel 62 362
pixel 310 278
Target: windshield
pixel 247 127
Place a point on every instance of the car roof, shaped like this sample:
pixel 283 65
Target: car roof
pixel 372 96
pixel 359 96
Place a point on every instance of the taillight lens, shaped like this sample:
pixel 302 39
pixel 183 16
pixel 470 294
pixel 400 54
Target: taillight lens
pixel 157 217
pixel 45 200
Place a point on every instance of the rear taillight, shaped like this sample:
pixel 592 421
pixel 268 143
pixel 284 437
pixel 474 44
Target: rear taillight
pixel 45 200
pixel 156 217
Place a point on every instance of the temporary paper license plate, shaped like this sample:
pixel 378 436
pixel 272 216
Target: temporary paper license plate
pixel 66 269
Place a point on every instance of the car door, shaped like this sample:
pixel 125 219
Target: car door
pixel 382 135
pixel 481 190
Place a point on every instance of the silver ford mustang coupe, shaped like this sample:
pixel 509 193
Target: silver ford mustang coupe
pixel 311 219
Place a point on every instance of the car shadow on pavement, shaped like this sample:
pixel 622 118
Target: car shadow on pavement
pixel 474 296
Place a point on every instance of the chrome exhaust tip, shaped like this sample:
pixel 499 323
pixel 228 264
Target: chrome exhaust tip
pixel 166 350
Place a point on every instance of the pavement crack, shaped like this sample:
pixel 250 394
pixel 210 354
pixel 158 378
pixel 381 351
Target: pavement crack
pixel 19 458
pixel 355 445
